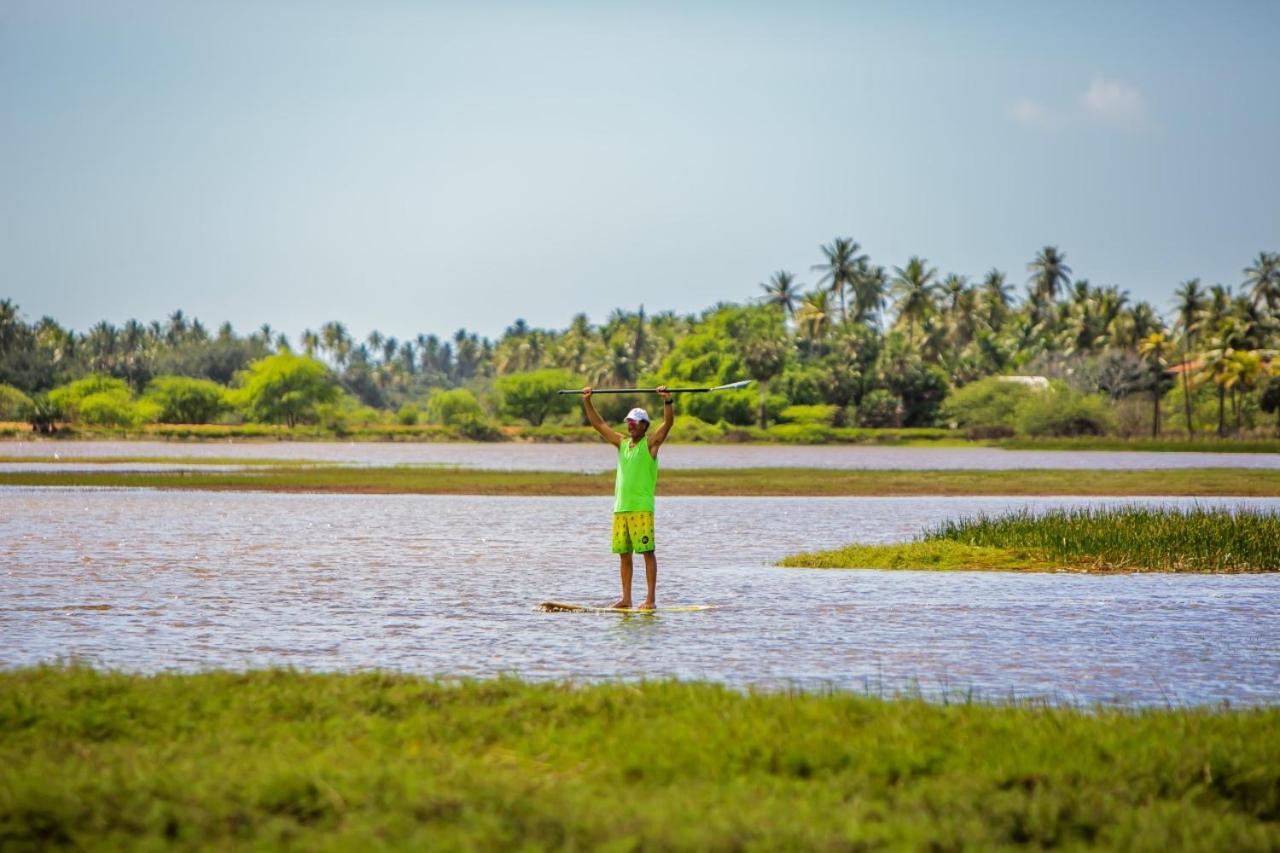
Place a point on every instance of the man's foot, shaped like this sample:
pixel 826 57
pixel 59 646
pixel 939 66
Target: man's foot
pixel 621 604
pixel 647 605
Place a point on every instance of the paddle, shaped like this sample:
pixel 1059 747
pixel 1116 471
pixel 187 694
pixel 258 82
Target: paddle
pixel 731 386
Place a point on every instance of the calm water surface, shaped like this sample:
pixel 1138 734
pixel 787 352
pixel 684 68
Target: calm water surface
pixel 151 581
pixel 595 456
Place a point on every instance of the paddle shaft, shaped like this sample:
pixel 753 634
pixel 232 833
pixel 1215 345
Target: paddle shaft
pixel 637 391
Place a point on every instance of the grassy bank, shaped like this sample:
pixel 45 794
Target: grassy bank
pixel 1203 444
pixel 746 481
pixel 1124 539
pixel 687 430
pixel 272 758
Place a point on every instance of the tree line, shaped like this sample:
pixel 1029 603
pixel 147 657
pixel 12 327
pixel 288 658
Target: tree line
pixel 863 345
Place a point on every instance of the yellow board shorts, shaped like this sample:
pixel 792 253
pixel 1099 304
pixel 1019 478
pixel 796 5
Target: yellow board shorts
pixel 632 532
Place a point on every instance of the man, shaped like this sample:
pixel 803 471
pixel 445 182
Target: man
pixel 633 490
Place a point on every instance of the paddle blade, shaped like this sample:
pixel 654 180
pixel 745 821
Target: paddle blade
pixel 732 385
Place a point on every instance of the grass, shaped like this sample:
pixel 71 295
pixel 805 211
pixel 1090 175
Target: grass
pixel 278 758
pixel 1204 444
pixel 1124 539
pixel 720 481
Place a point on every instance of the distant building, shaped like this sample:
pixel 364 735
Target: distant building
pixel 1039 383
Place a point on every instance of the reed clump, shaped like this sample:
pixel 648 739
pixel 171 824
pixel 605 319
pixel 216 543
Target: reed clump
pixel 1092 539
pixel 1152 538
pixel 280 759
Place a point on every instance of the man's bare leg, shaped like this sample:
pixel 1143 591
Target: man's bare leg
pixel 624 569
pixel 651 579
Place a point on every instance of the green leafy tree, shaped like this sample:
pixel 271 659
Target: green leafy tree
pixel 67 399
pixel 284 388
pixel 988 405
pixel 454 407
pixel 14 405
pixel 532 396
pixel 183 400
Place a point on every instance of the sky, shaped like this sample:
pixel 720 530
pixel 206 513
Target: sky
pixel 417 167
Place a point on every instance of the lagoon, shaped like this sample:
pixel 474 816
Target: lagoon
pixel 146 581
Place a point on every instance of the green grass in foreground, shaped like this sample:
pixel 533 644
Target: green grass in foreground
pixel 1124 539
pixel 275 758
pixel 721 481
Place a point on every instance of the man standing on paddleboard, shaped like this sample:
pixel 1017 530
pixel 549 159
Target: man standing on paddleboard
pixel 633 490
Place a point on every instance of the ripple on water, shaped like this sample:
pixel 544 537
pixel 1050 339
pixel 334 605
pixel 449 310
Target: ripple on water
pixel 447 584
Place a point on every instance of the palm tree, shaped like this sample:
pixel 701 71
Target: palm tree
pixel 1263 280
pixel 915 287
pixel 310 342
pixel 813 318
pixel 1216 366
pixel 841 267
pixel 995 299
pixel 1190 303
pixel 782 290
pixel 1049 272
pixel 1152 349
pixel 869 290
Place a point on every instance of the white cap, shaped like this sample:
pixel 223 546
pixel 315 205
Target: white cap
pixel 638 415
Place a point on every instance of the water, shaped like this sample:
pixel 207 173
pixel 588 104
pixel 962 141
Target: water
pixel 595 456
pixel 149 581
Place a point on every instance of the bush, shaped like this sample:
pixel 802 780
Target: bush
pixel 407 415
pixel 109 409
pixel 14 405
pixel 66 399
pixel 284 388
pixel 183 400
pixel 689 428
pixel 987 403
pixel 454 407
pixel 532 396
pixel 879 408
pixel 816 414
pixel 1062 411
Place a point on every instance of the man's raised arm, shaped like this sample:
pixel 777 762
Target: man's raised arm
pixel 668 419
pixel 598 422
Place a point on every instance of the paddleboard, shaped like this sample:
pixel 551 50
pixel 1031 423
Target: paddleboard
pixel 567 607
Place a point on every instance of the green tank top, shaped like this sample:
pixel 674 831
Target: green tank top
pixel 637 478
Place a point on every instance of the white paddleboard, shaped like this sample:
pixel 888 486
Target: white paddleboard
pixel 568 607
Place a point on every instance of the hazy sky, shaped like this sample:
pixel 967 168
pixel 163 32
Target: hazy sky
pixel 418 167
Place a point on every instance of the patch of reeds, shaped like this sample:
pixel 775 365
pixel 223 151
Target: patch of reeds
pixel 279 759
pixel 1198 539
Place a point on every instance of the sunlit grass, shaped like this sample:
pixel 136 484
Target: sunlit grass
pixel 274 758
pixel 1096 539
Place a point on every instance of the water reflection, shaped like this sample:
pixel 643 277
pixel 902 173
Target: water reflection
pixel 445 584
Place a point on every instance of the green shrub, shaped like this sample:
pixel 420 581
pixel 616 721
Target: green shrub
pixel 66 399
pixel 814 414
pixel 532 396
pixel 691 429
pixel 109 409
pixel 1062 411
pixel 802 433
pixel 453 407
pixel 284 388
pixel 407 415
pixel 880 408
pixel 986 403
pixel 184 400
pixel 14 405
